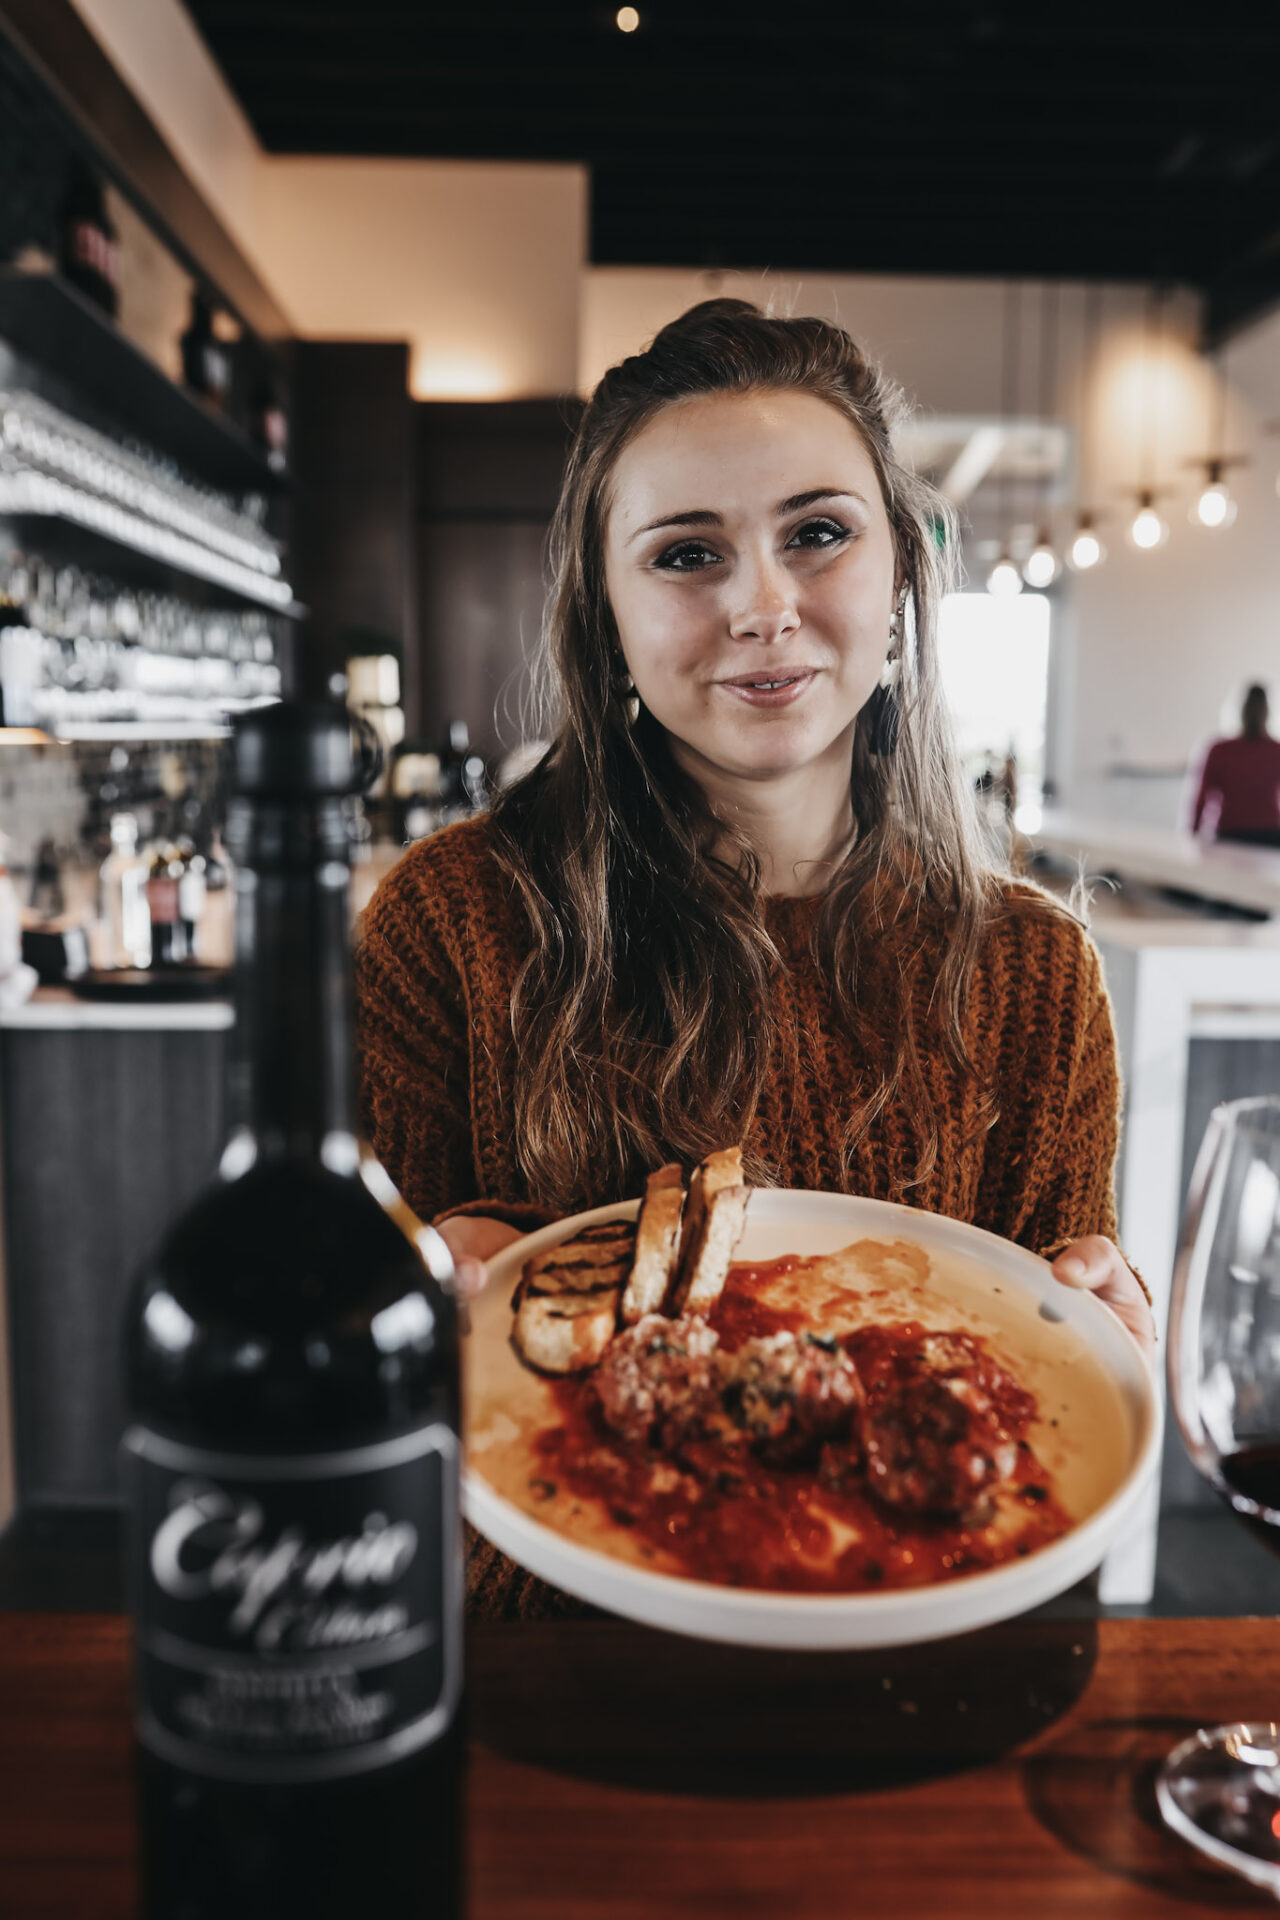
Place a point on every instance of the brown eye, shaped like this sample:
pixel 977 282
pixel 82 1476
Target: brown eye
pixel 818 534
pixel 690 556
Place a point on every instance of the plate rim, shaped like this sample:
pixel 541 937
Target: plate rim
pixel 762 1616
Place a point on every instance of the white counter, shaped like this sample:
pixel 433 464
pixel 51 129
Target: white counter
pixel 57 1008
pixel 1243 876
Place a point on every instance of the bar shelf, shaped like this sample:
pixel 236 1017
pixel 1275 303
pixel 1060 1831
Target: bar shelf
pixel 50 323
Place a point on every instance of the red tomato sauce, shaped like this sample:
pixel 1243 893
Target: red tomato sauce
pixel 738 1520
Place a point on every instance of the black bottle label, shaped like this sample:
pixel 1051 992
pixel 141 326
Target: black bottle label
pixel 298 1618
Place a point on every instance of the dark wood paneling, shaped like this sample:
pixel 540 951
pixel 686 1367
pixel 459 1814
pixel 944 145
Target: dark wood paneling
pixel 489 475
pixel 106 1135
pixel 58 45
pixel 352 506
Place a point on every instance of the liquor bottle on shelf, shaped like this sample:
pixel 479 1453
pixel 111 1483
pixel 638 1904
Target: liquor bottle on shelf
pixel 463 780
pixel 123 897
pixel 192 892
pixel 206 360
pixel 269 425
pixel 168 937
pixel 89 251
pixel 291 1466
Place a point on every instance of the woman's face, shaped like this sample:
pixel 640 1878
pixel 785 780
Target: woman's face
pixel 750 567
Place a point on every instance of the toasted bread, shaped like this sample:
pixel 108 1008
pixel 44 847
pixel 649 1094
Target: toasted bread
pixel 566 1304
pixel 714 1217
pixel 657 1245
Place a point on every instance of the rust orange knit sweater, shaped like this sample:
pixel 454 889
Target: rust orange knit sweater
pixel 441 944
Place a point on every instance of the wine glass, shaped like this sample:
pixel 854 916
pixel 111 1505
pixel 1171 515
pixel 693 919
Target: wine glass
pixel 1221 1788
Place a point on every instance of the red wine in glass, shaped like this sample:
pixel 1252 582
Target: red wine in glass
pixel 1221 1788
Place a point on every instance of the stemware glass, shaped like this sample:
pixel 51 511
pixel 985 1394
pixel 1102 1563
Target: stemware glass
pixel 1221 1788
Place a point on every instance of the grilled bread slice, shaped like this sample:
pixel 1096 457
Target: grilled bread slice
pixel 566 1304
pixel 714 1217
pixel 657 1245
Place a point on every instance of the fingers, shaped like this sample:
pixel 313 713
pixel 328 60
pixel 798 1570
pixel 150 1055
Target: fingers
pixel 1096 1265
pixel 469 1236
pixel 1088 1263
pixel 469 1276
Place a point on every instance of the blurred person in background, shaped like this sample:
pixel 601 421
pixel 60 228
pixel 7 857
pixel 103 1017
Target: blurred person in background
pixel 1238 793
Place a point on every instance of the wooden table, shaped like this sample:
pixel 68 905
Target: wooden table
pixel 621 1773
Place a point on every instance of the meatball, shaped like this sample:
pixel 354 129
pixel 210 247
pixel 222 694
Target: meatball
pixel 659 1381
pixel 936 1428
pixel 788 1395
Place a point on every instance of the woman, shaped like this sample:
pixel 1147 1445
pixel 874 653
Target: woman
pixel 742 897
pixel 1238 793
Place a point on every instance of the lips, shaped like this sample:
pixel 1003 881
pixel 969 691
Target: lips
pixel 767 682
pixel 778 687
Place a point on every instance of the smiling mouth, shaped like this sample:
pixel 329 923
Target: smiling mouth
pixel 768 683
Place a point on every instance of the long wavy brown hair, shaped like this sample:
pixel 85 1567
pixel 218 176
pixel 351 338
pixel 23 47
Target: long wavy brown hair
pixel 643 1017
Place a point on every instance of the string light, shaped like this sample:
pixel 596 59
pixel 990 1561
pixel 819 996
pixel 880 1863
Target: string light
pixel 1147 530
pixel 1041 567
pixel 627 19
pixel 1086 549
pixel 1215 507
pixel 1004 580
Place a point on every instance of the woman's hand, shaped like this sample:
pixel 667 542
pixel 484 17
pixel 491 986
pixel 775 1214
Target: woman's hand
pixel 1095 1265
pixel 472 1240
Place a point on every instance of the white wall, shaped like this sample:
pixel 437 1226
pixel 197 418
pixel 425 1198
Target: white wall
pixel 155 46
pixel 477 266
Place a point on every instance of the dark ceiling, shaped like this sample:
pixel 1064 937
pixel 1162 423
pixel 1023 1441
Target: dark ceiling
pixel 949 136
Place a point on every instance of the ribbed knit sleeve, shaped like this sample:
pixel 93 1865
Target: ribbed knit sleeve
pixel 1074 1193
pixel 412 1029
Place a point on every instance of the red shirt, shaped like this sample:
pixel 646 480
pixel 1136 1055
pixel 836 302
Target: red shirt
pixel 1240 786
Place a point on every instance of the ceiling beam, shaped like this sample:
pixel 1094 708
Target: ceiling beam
pixel 972 464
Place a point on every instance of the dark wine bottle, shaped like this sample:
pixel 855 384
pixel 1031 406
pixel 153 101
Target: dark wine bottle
pixel 292 1461
pixel 89 252
pixel 206 360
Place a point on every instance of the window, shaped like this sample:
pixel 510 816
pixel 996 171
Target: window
pixel 994 661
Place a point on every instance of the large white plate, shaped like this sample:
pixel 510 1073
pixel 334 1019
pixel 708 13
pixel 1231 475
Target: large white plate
pixel 1100 1435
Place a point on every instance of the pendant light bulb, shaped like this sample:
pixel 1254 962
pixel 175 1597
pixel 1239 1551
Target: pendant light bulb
pixel 1041 567
pixel 1086 549
pixel 1147 530
pixel 1215 507
pixel 1004 580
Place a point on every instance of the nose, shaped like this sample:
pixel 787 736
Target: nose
pixel 765 608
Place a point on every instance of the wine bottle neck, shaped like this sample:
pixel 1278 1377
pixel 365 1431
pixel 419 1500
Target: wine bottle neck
pixel 291 1090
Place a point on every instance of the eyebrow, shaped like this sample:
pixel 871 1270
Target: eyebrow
pixel 703 517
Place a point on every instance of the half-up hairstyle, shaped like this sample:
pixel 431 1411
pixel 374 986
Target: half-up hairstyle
pixel 643 1017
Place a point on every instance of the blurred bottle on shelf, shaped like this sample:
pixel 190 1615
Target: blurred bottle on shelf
pixel 88 247
pixel 215 934
pixel 192 893
pixel 206 360
pixel 47 897
pixel 464 784
pixel 168 937
pixel 10 917
pixel 269 425
pixel 123 907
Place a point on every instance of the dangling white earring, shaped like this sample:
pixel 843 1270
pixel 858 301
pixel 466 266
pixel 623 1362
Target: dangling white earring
pixel 630 700
pixel 891 671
